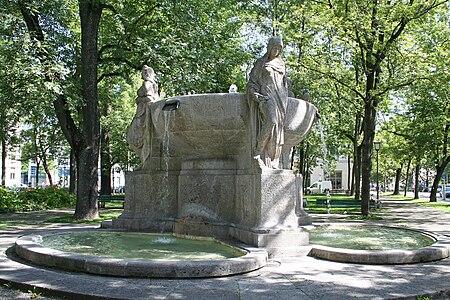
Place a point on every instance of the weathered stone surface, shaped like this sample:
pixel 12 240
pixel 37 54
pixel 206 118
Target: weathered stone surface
pixel 28 249
pixel 150 202
pixel 437 251
pixel 201 178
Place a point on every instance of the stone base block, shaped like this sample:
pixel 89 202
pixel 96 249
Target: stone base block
pixel 288 251
pixel 143 224
pixel 196 227
pixel 276 242
pixel 303 218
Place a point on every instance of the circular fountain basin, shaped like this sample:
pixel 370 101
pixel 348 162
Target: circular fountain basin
pixel 370 244
pixel 132 254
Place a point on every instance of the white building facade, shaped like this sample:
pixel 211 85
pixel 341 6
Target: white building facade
pixel 13 169
pixel 338 174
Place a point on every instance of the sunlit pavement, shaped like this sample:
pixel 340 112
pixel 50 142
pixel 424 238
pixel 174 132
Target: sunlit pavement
pixel 282 278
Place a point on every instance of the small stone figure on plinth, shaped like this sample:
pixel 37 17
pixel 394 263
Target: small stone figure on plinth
pixel 233 89
pixel 267 89
pixel 137 136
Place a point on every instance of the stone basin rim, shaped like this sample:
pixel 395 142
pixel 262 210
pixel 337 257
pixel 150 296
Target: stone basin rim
pixel 28 249
pixel 440 249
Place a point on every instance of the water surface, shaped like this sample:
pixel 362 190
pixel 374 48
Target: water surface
pixel 360 237
pixel 141 246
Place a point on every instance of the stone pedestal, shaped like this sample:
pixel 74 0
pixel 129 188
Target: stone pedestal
pixel 266 212
pixel 150 202
pixel 199 177
pixel 210 198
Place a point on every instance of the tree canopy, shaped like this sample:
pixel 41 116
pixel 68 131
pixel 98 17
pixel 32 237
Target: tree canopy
pixel 366 64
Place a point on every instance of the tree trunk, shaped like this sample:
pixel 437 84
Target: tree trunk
pixel 357 163
pixel 301 159
pixel 84 141
pixel 105 163
pixel 72 173
pixel 352 186
pixel 416 182
pixel 356 184
pixel 38 166
pixel 302 163
pixel 407 178
pixel 366 153
pixel 349 173
pixel 439 172
pixel 3 162
pixel 45 164
pixel 292 158
pixel 49 174
pixel 398 175
pixel 88 151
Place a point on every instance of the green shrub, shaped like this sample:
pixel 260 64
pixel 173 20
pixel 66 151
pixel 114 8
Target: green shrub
pixel 9 201
pixel 35 199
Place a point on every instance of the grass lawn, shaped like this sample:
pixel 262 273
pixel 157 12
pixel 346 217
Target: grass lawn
pixel 353 212
pixel 105 214
pixel 442 206
pixel 312 208
pixel 398 197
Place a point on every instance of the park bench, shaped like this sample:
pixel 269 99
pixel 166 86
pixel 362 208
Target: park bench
pixel 102 199
pixel 344 203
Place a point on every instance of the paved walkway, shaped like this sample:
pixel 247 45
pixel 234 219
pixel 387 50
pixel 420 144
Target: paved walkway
pixel 283 278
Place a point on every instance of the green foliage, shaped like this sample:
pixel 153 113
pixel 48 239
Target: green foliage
pixel 12 200
pixel 117 102
pixel 192 45
pixel 9 201
pixel 204 46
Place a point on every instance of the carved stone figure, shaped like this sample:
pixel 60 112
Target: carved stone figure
pixel 267 88
pixel 233 89
pixel 137 136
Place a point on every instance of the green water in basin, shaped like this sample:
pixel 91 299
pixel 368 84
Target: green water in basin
pixel 369 238
pixel 140 246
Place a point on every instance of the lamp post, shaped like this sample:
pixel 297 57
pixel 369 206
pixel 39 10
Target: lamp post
pixel 377 148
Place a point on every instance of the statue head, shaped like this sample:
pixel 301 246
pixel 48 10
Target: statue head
pixel 274 47
pixel 148 73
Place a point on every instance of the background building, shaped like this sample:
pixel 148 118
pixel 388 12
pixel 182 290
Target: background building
pixel 13 169
pixel 338 174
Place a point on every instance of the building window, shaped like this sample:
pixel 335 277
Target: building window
pixel 12 176
pixel 336 180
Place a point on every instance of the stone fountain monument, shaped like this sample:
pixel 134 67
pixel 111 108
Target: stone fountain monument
pixel 219 164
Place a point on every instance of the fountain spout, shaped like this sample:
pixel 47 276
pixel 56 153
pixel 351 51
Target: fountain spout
pixel 171 104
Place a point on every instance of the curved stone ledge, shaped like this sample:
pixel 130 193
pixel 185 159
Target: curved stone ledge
pixel 28 249
pixel 437 251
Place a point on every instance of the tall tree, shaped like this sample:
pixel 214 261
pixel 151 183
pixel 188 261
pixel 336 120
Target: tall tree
pixel 18 81
pixel 198 37
pixel 84 139
pixel 371 34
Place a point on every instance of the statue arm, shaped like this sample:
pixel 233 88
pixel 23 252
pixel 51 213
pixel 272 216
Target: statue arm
pixel 253 88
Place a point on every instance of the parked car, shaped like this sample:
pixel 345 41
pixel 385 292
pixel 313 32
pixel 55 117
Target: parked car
pixel 447 192
pixel 319 187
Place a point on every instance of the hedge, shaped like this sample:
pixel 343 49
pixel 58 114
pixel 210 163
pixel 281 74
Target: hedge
pixel 15 200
